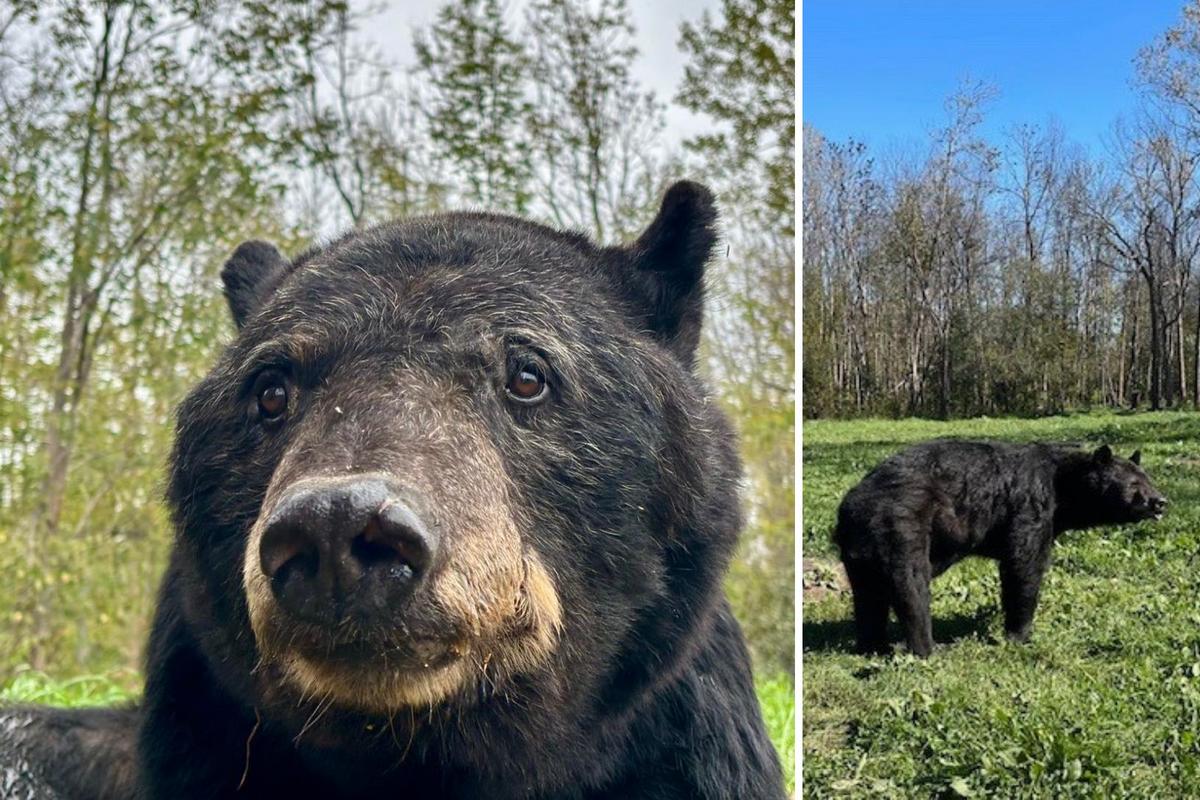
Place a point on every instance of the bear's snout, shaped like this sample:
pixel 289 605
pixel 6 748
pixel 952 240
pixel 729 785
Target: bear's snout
pixel 348 549
pixel 1158 505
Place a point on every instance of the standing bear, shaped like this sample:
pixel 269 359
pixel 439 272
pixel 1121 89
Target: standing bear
pixel 933 504
pixel 453 511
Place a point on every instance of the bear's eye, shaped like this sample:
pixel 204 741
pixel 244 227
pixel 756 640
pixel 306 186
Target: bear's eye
pixel 527 384
pixel 271 391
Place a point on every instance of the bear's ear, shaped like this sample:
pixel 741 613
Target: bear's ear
pixel 668 262
pixel 1103 455
pixel 1136 457
pixel 250 275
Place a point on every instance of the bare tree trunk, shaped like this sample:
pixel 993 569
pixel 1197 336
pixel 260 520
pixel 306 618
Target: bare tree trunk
pixel 1196 357
pixel 79 302
pixel 1130 383
pixel 944 400
pixel 1182 371
pixel 1156 351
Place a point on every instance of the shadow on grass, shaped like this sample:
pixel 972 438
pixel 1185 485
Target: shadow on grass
pixel 837 636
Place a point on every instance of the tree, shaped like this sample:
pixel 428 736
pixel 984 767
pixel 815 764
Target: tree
pixel 741 73
pixel 351 130
pixel 974 279
pixel 1168 69
pixel 1153 235
pixel 146 148
pixel 475 101
pixel 594 132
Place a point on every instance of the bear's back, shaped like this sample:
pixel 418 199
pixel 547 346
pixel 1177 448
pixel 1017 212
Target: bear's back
pixel 979 480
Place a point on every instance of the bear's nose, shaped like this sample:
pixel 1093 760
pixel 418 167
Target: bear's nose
pixel 345 549
pixel 1158 503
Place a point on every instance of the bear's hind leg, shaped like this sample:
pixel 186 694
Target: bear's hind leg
pixel 870 589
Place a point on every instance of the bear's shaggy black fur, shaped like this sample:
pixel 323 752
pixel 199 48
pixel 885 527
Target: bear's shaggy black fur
pixel 570 638
pixel 933 504
pixel 63 754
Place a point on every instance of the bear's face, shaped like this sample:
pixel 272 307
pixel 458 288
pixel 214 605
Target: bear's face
pixel 1120 489
pixel 445 453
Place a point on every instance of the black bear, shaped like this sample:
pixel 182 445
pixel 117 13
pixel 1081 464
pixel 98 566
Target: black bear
pixel 935 503
pixel 452 515
pixel 67 754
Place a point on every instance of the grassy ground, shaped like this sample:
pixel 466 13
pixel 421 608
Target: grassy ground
pixel 778 699
pixel 85 690
pixel 1103 702
pixel 776 694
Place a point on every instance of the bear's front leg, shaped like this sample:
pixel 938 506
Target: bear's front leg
pixel 1021 574
pixel 910 597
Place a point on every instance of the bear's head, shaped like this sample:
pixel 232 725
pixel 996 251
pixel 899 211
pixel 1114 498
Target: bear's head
pixel 1108 489
pixel 451 457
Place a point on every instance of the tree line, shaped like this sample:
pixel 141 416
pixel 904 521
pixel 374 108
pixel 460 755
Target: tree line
pixel 1018 274
pixel 141 140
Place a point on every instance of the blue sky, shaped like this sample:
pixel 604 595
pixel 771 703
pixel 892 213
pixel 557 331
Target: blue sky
pixel 879 71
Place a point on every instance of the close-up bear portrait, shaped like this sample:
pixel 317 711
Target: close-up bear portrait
pixel 452 514
pixel 397 400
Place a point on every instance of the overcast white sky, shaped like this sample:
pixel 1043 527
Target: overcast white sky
pixel 659 66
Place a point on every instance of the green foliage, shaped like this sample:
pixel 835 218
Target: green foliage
pixel 742 71
pixel 132 171
pixel 476 101
pixel 107 689
pixel 762 579
pixel 1101 703
pixel 594 130
pixel 777 696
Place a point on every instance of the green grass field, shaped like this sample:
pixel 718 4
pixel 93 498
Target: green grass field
pixel 1103 702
